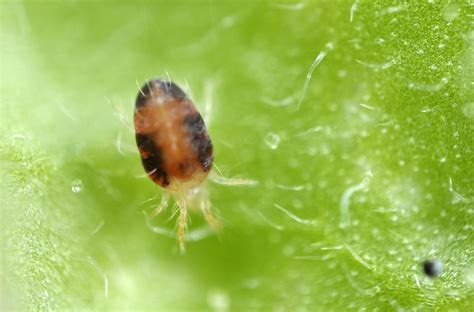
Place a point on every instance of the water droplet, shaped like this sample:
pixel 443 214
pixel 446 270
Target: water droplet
pixel 76 186
pixel 272 140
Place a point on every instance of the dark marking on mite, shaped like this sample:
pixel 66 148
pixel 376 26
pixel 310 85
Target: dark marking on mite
pixel 153 163
pixel 200 139
pixel 170 89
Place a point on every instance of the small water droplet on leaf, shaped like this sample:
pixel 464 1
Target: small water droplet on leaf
pixel 76 186
pixel 272 140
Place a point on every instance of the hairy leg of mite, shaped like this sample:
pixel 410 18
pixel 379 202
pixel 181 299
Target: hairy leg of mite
pixel 182 224
pixel 218 179
pixel 162 206
pixel 210 218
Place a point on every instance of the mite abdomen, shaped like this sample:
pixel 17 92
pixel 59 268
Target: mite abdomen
pixel 173 141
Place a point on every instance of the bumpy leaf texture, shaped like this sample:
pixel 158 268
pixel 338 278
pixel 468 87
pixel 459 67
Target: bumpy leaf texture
pixel 356 119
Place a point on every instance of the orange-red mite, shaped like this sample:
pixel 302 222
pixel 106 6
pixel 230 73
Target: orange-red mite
pixel 173 141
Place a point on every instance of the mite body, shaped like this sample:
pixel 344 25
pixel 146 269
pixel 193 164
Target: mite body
pixel 174 145
pixel 175 148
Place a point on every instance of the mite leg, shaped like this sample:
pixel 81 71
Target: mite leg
pixel 219 179
pixel 182 224
pixel 210 218
pixel 162 206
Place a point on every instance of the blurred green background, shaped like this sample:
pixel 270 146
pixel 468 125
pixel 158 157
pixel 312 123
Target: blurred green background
pixel 370 177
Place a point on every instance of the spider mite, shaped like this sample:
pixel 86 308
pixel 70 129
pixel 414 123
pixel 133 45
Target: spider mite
pixel 175 149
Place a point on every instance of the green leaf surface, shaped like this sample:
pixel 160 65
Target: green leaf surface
pixel 355 117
